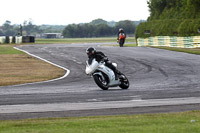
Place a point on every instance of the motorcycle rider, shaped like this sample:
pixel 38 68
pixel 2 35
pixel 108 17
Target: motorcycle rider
pixel 120 31
pixel 99 56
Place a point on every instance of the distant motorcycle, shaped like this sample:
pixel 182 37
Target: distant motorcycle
pixel 121 40
pixel 104 77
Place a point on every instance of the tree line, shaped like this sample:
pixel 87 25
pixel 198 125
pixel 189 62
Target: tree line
pixel 28 28
pixel 7 29
pixel 174 9
pixel 171 18
pixel 96 28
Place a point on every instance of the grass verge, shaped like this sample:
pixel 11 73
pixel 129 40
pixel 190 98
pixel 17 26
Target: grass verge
pixel 81 40
pixel 186 122
pixel 130 45
pixel 17 68
pixel 125 45
pixel 186 50
pixel 8 49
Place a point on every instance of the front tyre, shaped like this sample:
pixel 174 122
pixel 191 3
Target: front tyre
pixel 124 83
pixel 121 42
pixel 103 84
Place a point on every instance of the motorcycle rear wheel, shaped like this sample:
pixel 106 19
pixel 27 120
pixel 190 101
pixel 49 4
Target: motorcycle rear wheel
pixel 100 82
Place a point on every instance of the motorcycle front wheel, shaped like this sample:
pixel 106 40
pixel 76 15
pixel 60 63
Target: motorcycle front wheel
pixel 124 83
pixel 121 42
pixel 103 84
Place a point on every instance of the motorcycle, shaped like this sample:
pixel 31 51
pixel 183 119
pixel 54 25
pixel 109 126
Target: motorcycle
pixel 121 40
pixel 104 77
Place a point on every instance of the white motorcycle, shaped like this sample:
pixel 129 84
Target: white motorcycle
pixel 104 77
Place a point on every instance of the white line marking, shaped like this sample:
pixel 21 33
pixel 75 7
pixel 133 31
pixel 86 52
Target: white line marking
pixel 65 75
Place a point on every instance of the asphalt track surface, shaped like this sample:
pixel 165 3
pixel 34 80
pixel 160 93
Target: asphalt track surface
pixel 160 81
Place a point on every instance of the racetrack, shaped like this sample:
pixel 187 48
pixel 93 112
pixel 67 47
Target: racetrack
pixel 160 81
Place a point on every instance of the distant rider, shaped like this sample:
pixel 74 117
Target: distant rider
pixel 99 56
pixel 120 31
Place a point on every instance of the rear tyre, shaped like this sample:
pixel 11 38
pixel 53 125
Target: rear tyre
pixel 103 84
pixel 124 83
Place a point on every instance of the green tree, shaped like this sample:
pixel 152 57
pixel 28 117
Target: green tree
pixel 1 33
pixel 128 26
pixel 103 30
pixel 98 21
pixel 97 28
pixel 171 17
pixel 8 29
pixel 29 28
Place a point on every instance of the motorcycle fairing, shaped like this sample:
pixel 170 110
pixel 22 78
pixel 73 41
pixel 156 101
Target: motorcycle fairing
pixel 110 74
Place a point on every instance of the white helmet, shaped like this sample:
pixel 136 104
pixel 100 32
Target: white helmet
pixel 120 29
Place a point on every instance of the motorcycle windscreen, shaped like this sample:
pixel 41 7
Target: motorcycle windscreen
pixel 91 68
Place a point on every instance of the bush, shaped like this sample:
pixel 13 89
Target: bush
pixel 171 27
pixel 171 18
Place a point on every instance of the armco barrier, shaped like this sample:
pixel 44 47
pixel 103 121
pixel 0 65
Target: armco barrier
pixel 170 41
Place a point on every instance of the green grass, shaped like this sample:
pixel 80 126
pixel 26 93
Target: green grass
pixel 15 68
pixel 130 45
pixel 117 45
pixel 8 49
pixel 187 122
pixel 81 40
pixel 186 50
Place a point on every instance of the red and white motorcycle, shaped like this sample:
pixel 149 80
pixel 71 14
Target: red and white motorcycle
pixel 121 40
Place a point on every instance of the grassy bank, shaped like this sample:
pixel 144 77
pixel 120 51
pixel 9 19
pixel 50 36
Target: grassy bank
pixel 18 68
pixel 187 122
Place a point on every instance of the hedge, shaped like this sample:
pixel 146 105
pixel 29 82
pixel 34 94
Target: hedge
pixel 169 27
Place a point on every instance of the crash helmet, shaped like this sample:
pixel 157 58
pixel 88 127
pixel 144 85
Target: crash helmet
pixel 121 29
pixel 90 51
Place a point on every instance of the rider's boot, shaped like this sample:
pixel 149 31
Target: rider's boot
pixel 118 74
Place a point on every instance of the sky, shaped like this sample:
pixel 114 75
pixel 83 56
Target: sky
pixel 63 12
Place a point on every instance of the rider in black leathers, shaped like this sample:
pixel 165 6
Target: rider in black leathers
pixel 99 56
pixel 120 31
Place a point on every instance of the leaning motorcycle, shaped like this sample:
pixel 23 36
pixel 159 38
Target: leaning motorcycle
pixel 121 40
pixel 104 77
